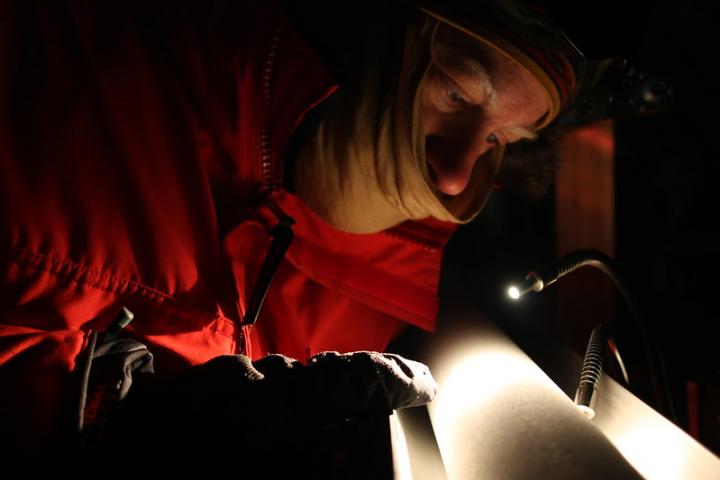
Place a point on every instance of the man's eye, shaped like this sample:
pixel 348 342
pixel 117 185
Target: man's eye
pixel 456 98
pixel 449 95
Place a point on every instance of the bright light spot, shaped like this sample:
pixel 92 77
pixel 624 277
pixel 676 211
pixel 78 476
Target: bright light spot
pixel 471 390
pixel 589 412
pixel 514 292
pixel 478 378
pixel 645 440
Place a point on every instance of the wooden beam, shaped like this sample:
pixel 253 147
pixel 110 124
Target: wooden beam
pixel 585 218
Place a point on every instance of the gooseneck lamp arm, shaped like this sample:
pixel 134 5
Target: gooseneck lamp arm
pixel 548 274
pixel 592 369
pixel 598 346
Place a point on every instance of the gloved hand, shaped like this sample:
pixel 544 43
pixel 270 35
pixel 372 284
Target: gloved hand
pixel 273 407
pixel 335 386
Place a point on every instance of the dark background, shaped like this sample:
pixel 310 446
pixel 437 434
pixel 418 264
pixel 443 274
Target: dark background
pixel 667 244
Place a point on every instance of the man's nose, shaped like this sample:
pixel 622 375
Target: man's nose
pixel 452 161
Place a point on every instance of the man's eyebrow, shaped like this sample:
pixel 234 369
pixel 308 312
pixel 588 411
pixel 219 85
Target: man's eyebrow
pixel 457 62
pixel 479 75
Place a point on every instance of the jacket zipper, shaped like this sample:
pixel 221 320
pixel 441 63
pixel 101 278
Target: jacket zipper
pixel 266 170
pixel 282 233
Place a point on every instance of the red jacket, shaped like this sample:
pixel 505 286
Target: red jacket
pixel 136 156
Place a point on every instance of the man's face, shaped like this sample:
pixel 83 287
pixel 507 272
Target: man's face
pixel 473 100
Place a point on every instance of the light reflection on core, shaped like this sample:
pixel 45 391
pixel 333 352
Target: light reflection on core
pixel 472 385
pixel 644 439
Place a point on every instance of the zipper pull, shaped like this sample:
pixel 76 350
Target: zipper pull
pixel 282 236
pixel 121 320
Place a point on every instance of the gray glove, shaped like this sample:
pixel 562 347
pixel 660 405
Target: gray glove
pixel 270 409
pixel 337 386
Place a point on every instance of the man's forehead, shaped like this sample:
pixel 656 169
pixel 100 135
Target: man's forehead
pixel 471 49
pixel 552 70
pixel 479 65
